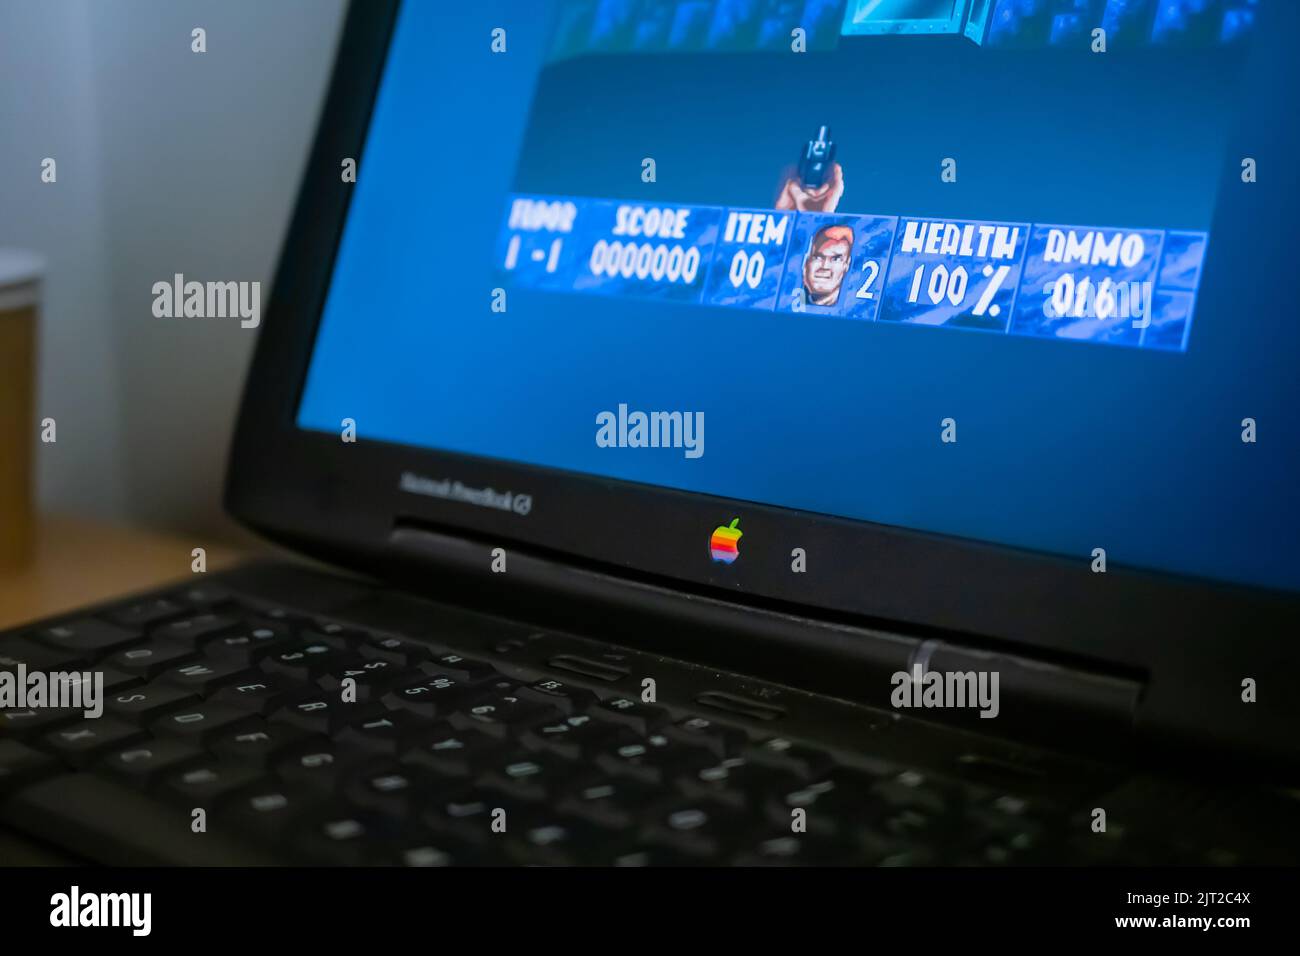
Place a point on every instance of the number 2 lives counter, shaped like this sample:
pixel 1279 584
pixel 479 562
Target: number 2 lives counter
pixel 1134 287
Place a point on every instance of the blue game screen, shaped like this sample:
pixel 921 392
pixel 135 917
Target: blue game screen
pixel 927 263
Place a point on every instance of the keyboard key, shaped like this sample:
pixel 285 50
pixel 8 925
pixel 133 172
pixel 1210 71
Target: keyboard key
pixel 104 820
pixel 143 704
pixel 321 765
pixel 608 801
pixel 433 696
pixel 476 815
pixel 151 659
pixel 915 827
pixel 248 644
pixel 88 636
pixel 289 619
pixel 81 742
pixel 30 721
pixel 115 680
pixel 147 761
pixel 270 810
pixel 646 853
pixel 396 650
pixel 992 838
pixel 828 802
pixel 701 732
pixel 390 732
pixel 699 828
pixel 389 787
pixel 260 744
pixel 916 790
pixel 796 849
pixel 20 765
pixel 433 851
pixel 466 669
pixel 323 713
pixel 147 613
pixel 446 751
pixel 206 596
pixel 303 661
pixel 370 677
pixel 502 714
pixel 573 737
pixel 780 753
pixel 209 782
pixel 913 855
pixel 338 631
pixel 527 776
pixel 643 719
pixel 261 694
pixel 736 783
pixel 345 837
pixel 202 721
pixel 569 699
pixel 37 657
pixel 202 677
pixel 654 760
pixel 399 790
pixel 554 840
pixel 194 630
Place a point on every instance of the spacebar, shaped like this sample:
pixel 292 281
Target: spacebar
pixel 105 822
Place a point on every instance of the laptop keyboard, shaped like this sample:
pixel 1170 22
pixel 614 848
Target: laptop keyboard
pixel 307 740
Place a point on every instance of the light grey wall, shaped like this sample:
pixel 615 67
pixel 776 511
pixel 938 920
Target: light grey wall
pixel 46 110
pixel 169 161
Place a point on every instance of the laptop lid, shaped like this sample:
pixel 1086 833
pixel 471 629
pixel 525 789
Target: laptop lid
pixel 964 316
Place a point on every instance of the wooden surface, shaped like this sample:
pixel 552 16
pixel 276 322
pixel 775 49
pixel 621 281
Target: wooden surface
pixel 78 562
pixel 18 430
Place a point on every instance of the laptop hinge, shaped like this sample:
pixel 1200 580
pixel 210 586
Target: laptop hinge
pixel 1073 700
pixel 796 647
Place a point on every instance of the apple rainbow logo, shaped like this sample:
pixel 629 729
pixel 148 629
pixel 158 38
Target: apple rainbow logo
pixel 725 543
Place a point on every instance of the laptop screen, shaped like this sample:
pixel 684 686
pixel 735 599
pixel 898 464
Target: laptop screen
pixel 945 265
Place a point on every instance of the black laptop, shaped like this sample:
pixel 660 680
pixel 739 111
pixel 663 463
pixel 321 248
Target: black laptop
pixel 820 432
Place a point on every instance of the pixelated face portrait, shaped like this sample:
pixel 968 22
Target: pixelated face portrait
pixel 826 264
